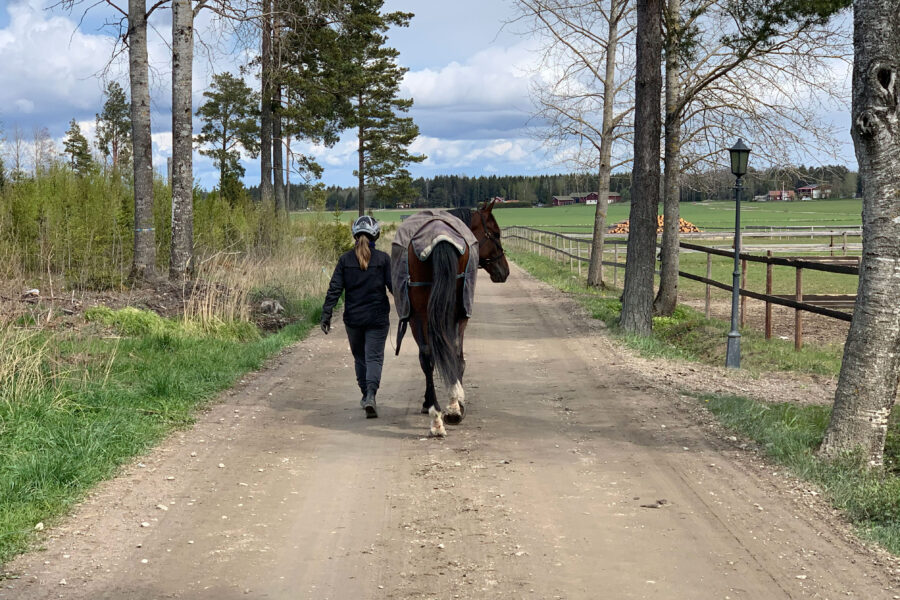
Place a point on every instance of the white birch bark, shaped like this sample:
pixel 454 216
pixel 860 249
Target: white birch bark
pixel 182 244
pixel 144 260
pixel 867 388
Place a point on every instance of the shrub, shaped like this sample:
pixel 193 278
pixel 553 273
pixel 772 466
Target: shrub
pixel 129 320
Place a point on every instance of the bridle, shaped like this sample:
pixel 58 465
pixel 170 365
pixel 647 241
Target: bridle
pixel 484 263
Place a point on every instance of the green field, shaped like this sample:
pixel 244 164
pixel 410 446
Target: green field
pixel 706 215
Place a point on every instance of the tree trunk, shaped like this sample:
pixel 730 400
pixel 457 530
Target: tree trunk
pixel 287 171
pixel 278 151
pixel 277 142
pixel 667 296
pixel 182 248
pixel 362 163
pixel 144 261
pixel 595 269
pixel 266 190
pixel 867 387
pixel 637 296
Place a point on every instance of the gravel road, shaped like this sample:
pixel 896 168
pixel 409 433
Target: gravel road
pixel 572 477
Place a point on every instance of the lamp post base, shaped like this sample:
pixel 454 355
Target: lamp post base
pixel 733 351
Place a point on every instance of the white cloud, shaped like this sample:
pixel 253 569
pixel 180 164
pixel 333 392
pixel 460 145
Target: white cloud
pixel 48 66
pixel 495 77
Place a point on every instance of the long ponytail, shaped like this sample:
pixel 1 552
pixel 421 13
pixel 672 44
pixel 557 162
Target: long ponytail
pixel 363 252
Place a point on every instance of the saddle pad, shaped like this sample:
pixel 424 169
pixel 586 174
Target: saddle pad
pixel 423 231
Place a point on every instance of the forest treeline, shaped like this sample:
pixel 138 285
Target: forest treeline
pixel 464 191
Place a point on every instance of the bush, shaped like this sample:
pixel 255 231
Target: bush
pixel 81 227
pixel 129 320
pixel 329 238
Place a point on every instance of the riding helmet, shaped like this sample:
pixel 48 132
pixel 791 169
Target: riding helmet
pixel 367 225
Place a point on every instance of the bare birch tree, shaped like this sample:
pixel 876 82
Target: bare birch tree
pixel 144 261
pixel 266 188
pixel 770 88
pixel 182 243
pixel 17 151
pixel 42 150
pixel 867 387
pixel 581 109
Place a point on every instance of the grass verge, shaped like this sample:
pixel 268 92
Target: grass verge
pixel 790 435
pixel 687 334
pixel 76 405
pixel 102 399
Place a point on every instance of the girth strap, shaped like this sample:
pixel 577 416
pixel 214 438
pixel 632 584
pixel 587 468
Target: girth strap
pixel 427 283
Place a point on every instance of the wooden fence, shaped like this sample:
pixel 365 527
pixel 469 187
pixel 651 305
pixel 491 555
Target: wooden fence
pixel 577 250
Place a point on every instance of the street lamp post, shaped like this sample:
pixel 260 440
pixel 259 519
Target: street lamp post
pixel 740 153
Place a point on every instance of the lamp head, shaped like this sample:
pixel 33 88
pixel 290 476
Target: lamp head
pixel 740 154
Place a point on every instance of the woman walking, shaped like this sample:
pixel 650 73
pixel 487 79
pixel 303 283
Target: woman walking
pixel 363 273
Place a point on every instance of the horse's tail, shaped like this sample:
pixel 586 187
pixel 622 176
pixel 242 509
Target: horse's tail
pixel 443 331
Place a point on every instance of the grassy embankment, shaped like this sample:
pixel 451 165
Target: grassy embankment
pixel 77 403
pixel 82 394
pixel 788 433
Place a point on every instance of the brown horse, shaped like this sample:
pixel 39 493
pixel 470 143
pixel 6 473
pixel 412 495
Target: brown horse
pixel 437 315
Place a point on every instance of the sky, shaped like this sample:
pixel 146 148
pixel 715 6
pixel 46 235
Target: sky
pixel 469 76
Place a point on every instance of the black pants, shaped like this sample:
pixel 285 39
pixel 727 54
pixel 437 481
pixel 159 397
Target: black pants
pixel 367 346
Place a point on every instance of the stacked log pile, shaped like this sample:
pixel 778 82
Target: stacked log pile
pixel 683 226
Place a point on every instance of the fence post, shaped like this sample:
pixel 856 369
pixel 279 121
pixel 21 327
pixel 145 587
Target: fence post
pixel 578 262
pixel 769 293
pixel 615 264
pixel 743 287
pixel 798 321
pixel 708 276
pixel 844 245
pixel 831 245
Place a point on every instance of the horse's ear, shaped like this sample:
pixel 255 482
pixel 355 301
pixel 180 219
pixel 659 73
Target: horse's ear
pixel 488 206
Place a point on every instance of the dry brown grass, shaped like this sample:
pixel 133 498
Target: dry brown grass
pixel 225 286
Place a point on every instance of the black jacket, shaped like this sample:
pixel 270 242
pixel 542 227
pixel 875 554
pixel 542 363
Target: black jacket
pixel 365 303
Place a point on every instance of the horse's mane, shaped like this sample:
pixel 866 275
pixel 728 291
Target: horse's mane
pixel 463 214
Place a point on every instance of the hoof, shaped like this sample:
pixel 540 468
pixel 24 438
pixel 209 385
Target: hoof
pixel 455 418
pixel 437 423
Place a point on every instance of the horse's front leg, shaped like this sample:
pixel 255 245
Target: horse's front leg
pixel 456 409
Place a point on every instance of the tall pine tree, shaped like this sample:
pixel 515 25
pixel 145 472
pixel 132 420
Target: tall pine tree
pixel 377 112
pixel 230 124
pixel 76 146
pixel 114 126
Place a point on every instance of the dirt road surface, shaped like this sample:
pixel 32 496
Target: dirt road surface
pixel 571 477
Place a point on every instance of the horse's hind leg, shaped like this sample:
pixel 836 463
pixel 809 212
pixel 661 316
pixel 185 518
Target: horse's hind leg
pixel 456 409
pixel 431 405
pixel 427 364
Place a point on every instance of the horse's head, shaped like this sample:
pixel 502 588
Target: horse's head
pixel 490 252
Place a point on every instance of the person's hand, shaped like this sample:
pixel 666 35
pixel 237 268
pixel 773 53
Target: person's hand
pixel 326 324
